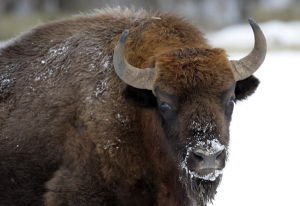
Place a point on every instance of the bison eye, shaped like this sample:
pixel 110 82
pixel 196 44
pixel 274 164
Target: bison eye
pixel 167 111
pixel 229 107
pixel 165 107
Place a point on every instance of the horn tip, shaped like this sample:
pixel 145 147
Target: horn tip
pixel 252 22
pixel 124 36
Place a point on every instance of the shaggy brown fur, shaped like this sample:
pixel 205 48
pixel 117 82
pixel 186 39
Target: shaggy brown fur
pixel 72 133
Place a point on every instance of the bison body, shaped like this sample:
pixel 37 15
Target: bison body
pixel 73 133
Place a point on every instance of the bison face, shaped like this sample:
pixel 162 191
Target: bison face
pixel 195 96
pixel 197 128
pixel 195 92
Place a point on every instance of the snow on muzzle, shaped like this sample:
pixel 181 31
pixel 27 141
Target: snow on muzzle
pixel 205 160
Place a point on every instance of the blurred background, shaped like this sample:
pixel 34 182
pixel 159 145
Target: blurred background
pixel 19 15
pixel 263 167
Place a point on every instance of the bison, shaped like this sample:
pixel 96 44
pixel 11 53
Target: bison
pixel 117 107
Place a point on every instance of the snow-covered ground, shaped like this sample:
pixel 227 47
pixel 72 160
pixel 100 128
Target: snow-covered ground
pixel 264 165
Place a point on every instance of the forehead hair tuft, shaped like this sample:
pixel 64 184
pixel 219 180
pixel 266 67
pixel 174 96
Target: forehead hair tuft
pixel 194 68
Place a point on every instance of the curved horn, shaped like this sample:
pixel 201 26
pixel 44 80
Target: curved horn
pixel 246 66
pixel 135 77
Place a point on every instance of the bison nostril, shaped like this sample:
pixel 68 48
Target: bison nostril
pixel 198 156
pixel 204 157
pixel 206 161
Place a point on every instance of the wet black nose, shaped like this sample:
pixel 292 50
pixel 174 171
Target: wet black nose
pixel 204 160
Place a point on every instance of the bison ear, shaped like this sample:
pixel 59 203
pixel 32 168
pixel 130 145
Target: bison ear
pixel 246 87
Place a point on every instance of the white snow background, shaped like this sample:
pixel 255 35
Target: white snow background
pixel 264 162
pixel 238 37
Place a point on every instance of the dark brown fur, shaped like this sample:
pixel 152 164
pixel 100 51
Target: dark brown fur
pixel 72 133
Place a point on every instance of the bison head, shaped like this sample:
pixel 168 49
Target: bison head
pixel 195 90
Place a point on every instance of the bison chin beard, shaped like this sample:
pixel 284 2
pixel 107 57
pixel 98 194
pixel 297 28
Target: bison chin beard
pixel 198 190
